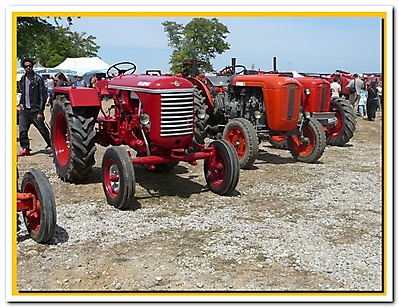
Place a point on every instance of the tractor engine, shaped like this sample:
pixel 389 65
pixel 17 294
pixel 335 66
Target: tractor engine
pixel 247 103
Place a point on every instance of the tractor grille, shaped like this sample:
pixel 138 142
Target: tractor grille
pixel 177 114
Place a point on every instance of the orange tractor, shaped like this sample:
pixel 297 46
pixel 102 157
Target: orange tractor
pixel 247 109
pixel 335 114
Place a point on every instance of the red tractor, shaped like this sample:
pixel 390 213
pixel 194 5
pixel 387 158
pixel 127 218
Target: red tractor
pixel 246 109
pixel 153 115
pixel 36 201
pixel 335 114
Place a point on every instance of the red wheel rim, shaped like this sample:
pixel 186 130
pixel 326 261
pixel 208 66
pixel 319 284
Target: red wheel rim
pixel 335 131
pixel 111 178
pixel 33 216
pixel 237 139
pixel 302 148
pixel 61 140
pixel 278 138
pixel 216 169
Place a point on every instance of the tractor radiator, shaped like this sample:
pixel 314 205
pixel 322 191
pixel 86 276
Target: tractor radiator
pixel 177 113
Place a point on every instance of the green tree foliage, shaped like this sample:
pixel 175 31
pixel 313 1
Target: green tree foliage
pixel 201 38
pixel 51 44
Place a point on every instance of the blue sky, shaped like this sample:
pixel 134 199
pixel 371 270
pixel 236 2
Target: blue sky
pixel 304 44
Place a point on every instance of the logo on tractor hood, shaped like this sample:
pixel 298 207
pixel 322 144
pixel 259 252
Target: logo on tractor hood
pixel 176 83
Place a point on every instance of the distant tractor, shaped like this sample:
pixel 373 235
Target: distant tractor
pixel 246 109
pixel 343 79
pixel 153 115
pixel 335 114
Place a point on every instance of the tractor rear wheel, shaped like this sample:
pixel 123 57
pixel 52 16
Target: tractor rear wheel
pixel 278 142
pixel 72 141
pixel 343 131
pixel 41 220
pixel 118 178
pixel 242 135
pixel 199 135
pixel 311 148
pixel 222 171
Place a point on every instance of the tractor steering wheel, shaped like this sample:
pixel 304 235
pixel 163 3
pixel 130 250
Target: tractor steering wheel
pixel 121 68
pixel 232 70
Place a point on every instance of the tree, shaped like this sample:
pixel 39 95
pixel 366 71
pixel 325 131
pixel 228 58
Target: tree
pixel 51 44
pixel 201 38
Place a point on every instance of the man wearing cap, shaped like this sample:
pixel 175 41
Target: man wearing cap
pixel 80 82
pixel 355 96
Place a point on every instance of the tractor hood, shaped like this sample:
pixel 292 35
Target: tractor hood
pixel 149 83
pixel 263 81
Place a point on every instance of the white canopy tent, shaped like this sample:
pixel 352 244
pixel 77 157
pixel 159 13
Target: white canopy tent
pixel 83 64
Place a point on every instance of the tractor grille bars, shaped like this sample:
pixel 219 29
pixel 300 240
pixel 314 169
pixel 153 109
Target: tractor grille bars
pixel 177 114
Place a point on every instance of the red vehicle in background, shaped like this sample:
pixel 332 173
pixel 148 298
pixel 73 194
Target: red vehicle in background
pixel 343 78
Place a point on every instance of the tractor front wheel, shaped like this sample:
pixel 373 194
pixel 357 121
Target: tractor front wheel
pixel 242 135
pixel 343 131
pixel 309 146
pixel 222 171
pixel 41 220
pixel 118 178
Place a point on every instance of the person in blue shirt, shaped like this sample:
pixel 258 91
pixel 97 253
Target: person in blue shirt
pixel 80 82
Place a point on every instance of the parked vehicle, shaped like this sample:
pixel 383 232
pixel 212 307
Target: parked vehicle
pixel 334 114
pixel 153 115
pixel 246 109
pixel 344 78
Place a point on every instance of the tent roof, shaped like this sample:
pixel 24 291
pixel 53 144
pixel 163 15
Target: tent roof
pixel 83 64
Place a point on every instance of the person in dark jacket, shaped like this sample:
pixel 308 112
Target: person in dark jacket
pixel 372 101
pixel 31 108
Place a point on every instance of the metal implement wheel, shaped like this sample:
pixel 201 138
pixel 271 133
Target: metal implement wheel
pixel 222 171
pixel 118 178
pixel 310 147
pixel 343 131
pixel 279 142
pixel 242 135
pixel 72 141
pixel 41 220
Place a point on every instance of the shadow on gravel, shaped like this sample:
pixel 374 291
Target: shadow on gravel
pixel 268 158
pixel 60 236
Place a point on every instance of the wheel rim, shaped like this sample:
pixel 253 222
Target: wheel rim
pixel 112 178
pixel 216 169
pixel 277 139
pixel 33 216
pixel 61 140
pixel 302 148
pixel 236 137
pixel 335 131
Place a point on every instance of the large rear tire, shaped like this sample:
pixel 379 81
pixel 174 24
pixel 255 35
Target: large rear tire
pixel 72 141
pixel 118 178
pixel 343 131
pixel 312 148
pixel 222 171
pixel 242 135
pixel 41 220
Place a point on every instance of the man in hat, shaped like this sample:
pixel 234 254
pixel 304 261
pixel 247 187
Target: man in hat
pixel 80 82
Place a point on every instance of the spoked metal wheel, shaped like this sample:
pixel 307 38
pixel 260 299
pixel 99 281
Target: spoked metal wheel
pixel 118 178
pixel 222 171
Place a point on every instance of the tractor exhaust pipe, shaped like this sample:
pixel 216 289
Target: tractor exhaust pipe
pixel 275 64
pixel 233 64
pixel 194 67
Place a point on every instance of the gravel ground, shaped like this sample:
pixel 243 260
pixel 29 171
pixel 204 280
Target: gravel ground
pixel 289 226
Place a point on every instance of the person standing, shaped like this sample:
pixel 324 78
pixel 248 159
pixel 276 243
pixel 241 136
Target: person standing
pixel 80 82
pixel 363 102
pixel 335 88
pixel 380 101
pixel 50 91
pixel 354 97
pixel 372 101
pixel 31 108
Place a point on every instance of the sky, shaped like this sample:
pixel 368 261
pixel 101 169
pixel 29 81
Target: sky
pixel 303 44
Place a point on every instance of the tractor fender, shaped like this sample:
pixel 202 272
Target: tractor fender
pixel 205 92
pixel 79 97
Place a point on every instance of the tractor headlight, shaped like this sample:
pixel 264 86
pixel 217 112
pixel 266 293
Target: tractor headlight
pixel 306 114
pixel 200 113
pixel 257 114
pixel 144 119
pixel 307 91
